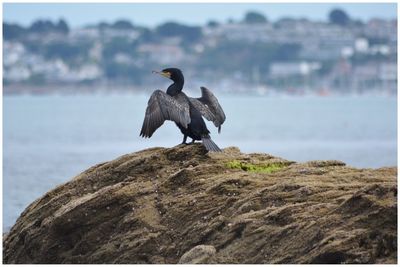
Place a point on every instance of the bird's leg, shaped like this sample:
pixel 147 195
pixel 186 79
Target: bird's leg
pixel 184 139
pixel 192 141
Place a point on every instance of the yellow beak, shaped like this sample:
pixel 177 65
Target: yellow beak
pixel 166 74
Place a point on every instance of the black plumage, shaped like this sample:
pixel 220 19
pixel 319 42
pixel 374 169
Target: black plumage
pixel 186 112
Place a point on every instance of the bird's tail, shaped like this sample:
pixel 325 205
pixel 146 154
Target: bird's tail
pixel 209 144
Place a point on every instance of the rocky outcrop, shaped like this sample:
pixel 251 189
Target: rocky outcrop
pixel 184 205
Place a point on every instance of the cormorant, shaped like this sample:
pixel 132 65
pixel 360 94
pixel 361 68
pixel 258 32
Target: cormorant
pixel 186 112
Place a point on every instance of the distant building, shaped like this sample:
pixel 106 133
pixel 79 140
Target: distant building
pixel 286 69
pixel 14 51
pixel 359 57
pixel 17 73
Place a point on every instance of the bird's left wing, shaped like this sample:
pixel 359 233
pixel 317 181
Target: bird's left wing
pixel 161 107
pixel 209 107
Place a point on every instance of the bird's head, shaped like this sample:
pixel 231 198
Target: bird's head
pixel 174 74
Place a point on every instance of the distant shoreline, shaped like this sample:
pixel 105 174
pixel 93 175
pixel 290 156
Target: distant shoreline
pixel 18 89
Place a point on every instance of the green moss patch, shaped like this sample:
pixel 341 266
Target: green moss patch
pixel 259 168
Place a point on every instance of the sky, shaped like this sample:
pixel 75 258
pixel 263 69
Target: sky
pixel 152 14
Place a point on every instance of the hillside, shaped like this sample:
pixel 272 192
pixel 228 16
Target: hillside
pixel 180 204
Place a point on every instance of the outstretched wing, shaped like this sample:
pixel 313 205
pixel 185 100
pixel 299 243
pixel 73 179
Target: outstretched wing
pixel 209 107
pixel 161 107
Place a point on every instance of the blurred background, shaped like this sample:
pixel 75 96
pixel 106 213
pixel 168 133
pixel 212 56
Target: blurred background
pixel 298 81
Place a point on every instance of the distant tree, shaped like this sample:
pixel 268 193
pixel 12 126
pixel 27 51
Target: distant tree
pixel 358 23
pixel 66 51
pixel 377 40
pixel 287 52
pixel 123 25
pixel 103 25
pixel 128 72
pixel 254 17
pixel 46 26
pixel 37 79
pixel 230 56
pixel 118 45
pixel 171 29
pixel 326 67
pixel 33 46
pixel 147 36
pixel 282 22
pixel 62 27
pixel 12 31
pixel 61 50
pixel 230 21
pixel 42 26
pixel 339 17
pixel 212 24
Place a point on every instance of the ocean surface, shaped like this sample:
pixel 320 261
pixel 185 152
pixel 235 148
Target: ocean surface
pixel 49 139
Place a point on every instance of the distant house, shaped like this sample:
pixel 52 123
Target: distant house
pixel 14 52
pixel 361 56
pixel 287 69
pixel 17 73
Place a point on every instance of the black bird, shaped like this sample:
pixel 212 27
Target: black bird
pixel 185 111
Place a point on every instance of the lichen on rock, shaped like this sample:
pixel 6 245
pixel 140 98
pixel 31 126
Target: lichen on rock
pixel 182 204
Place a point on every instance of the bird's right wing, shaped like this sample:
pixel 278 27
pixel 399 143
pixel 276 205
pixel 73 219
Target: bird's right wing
pixel 161 107
pixel 209 107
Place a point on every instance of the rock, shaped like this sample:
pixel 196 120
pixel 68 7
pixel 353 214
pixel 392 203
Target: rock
pixel 198 254
pixel 154 205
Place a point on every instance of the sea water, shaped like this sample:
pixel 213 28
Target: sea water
pixel 49 139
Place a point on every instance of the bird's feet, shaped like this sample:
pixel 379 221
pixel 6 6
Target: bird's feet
pixel 184 143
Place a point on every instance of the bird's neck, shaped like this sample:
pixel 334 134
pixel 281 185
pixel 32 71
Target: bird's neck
pixel 175 88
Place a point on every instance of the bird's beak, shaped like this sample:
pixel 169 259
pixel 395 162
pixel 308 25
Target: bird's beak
pixel 166 74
